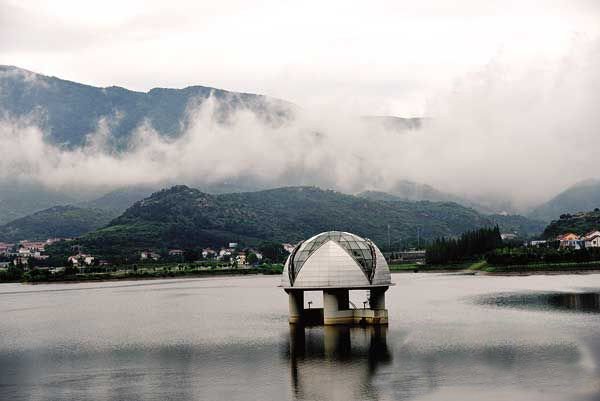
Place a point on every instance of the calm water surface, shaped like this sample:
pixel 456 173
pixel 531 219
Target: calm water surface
pixel 451 337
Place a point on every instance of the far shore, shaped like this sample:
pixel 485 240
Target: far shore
pixel 241 273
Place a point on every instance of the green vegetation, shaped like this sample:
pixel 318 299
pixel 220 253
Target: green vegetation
pixel 478 265
pixel 545 267
pixel 545 255
pixel 135 271
pixel 471 245
pixel 185 218
pixel 58 221
pixel 522 226
pixel 578 223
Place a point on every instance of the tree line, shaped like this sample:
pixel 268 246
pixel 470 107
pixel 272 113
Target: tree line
pixel 470 245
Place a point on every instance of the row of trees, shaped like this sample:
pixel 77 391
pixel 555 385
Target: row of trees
pixel 470 245
pixel 523 256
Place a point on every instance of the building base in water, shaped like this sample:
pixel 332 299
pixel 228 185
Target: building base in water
pixel 336 308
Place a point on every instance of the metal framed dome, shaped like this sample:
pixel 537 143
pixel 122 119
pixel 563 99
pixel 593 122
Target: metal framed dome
pixel 336 259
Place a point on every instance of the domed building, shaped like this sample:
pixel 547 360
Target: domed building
pixel 336 262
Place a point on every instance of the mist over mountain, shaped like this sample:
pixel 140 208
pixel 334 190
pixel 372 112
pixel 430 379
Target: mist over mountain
pixel 69 111
pixel 581 197
pixel 482 144
pixel 508 223
pixel 56 222
pixel 20 199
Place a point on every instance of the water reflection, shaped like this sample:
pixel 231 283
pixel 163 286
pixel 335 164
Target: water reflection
pixel 586 302
pixel 336 362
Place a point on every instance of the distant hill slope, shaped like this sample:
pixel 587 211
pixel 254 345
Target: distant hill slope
pixel 120 199
pixel 579 223
pixel 520 225
pixel 580 197
pixel 70 110
pixel 185 217
pixel 58 221
pixel 413 191
pixel 18 200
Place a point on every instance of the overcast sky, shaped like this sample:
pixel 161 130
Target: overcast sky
pixel 372 57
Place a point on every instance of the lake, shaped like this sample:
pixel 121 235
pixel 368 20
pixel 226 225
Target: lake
pixel 450 337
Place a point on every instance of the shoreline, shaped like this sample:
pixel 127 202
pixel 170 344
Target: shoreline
pixel 219 273
pixel 241 273
pixel 505 273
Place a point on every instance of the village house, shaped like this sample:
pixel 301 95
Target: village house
pixel 241 258
pixel 145 255
pixel 175 252
pixel 81 259
pixel 20 260
pixel 33 246
pixel 288 247
pixel 592 239
pixel 5 248
pixel 208 253
pixel 225 252
pixel 259 255
pixel 571 240
pixel 508 236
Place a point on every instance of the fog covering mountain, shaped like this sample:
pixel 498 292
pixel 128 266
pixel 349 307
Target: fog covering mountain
pixel 508 223
pixel 93 121
pixel 56 222
pixel 71 142
pixel 413 191
pixel 119 200
pixel 69 111
pixel 20 199
pixel 581 197
pixel 185 217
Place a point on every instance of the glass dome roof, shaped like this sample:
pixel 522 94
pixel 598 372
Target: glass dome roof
pixel 362 251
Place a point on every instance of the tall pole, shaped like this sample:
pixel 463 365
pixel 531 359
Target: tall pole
pixel 389 241
pixel 418 238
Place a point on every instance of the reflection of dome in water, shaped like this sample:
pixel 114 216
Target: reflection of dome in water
pixel 336 259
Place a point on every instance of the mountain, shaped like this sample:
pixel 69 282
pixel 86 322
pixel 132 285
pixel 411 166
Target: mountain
pixel 393 123
pixel 20 199
pixel 413 191
pixel 69 111
pixel 579 223
pixel 520 225
pixel 55 222
pixel 184 217
pixel 119 200
pixel 582 196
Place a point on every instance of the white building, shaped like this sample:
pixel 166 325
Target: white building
pixel 288 247
pixel 336 262
pixel 145 255
pixel 592 241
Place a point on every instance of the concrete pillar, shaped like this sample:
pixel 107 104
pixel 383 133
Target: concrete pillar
pixel 336 307
pixel 377 298
pixel 296 304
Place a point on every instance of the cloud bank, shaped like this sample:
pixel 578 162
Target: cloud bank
pixel 512 132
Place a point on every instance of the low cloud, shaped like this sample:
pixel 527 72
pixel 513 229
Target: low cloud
pixel 520 133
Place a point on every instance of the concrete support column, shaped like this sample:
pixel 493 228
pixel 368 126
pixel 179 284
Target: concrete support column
pixel 336 304
pixel 296 304
pixel 377 298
